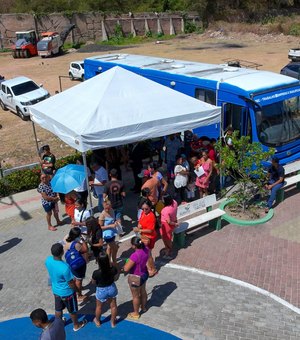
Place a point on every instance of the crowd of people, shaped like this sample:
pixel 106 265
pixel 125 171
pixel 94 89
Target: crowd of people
pixel 185 170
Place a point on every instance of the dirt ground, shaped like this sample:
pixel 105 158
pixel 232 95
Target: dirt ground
pixel 17 138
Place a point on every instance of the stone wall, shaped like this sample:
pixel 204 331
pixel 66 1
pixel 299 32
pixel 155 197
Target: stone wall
pixel 92 26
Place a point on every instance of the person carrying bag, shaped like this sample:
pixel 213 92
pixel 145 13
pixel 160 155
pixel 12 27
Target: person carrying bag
pixel 136 265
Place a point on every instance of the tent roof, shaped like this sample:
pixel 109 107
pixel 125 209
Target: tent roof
pixel 119 107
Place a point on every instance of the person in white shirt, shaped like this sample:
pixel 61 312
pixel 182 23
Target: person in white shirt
pixel 81 214
pixel 180 180
pixel 82 190
pixel 101 177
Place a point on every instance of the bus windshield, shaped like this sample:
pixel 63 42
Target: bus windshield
pixel 279 123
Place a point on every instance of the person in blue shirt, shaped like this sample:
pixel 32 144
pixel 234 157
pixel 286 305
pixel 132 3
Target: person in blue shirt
pixel 275 181
pixel 63 286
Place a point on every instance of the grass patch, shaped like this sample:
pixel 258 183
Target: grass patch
pixel 68 46
pixel 130 40
pixel 5 50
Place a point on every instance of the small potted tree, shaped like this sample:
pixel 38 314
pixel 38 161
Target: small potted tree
pixel 242 162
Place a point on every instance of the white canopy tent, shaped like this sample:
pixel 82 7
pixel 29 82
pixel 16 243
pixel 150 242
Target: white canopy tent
pixel 119 107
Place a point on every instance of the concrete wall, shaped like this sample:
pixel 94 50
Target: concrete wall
pixel 91 26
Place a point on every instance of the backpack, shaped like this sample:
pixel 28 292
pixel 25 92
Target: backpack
pixel 74 258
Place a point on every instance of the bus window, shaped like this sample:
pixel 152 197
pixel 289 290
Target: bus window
pixel 206 96
pixel 233 116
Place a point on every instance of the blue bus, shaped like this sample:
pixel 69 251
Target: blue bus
pixel 260 104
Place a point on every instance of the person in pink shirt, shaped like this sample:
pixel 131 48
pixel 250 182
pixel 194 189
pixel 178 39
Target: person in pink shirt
pixel 169 222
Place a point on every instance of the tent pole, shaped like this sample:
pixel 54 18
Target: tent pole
pixel 35 137
pixel 87 181
pixel 36 141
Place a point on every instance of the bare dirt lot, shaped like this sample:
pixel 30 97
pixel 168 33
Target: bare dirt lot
pixel 17 139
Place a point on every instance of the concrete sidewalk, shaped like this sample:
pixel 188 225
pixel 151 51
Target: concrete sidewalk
pixel 183 300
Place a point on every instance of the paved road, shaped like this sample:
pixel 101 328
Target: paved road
pixel 183 302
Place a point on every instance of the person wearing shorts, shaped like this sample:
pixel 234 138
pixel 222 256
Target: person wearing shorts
pixel 107 222
pixel 137 265
pixel 81 246
pixel 49 200
pixel 106 290
pixel 63 286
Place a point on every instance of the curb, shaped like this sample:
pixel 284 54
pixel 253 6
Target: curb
pixel 244 223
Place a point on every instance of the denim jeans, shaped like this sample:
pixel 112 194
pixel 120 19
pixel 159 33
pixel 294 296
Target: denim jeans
pixel 273 193
pixel 100 202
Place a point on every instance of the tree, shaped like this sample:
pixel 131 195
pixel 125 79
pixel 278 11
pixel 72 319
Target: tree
pixel 244 163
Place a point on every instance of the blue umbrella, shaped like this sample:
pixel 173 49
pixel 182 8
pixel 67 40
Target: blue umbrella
pixel 68 178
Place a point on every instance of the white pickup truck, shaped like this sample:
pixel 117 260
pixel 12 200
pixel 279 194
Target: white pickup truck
pixel 19 93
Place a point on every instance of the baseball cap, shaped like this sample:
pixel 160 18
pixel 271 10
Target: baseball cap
pixel 144 173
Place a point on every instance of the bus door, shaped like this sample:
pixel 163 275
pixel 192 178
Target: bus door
pixel 238 117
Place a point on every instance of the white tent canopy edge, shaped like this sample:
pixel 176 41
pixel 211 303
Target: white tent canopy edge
pixel 120 107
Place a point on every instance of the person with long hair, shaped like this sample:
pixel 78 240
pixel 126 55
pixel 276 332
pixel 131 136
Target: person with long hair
pixel 106 290
pixel 137 265
pixel 49 201
pixel 202 182
pixel 107 222
pixel 146 228
pixel 81 246
pixel 94 236
pixel 81 213
pixel 69 201
pixel 169 222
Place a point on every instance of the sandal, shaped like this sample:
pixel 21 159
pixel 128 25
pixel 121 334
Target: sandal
pixel 132 316
pixel 152 274
pixel 97 323
pixel 81 298
pixel 266 210
pixel 81 325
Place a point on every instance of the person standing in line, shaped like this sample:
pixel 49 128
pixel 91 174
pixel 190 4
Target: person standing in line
pixel 106 290
pixel 63 286
pixel 81 214
pixel 168 224
pixel 94 236
pixel 107 222
pixel 172 145
pixel 52 329
pixel 152 183
pixel 137 265
pixel 101 177
pixel 49 201
pixel 47 161
pixel 82 190
pixel 75 242
pixel 114 190
pixel 146 228
pixel 202 182
pixel 69 200
pixel 153 167
pixel 136 155
pixel 181 179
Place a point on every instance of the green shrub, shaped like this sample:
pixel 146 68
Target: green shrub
pixel 192 27
pixel 295 29
pixel 20 180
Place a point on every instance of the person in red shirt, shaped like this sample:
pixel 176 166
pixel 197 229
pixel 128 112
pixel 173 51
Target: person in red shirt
pixel 146 228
